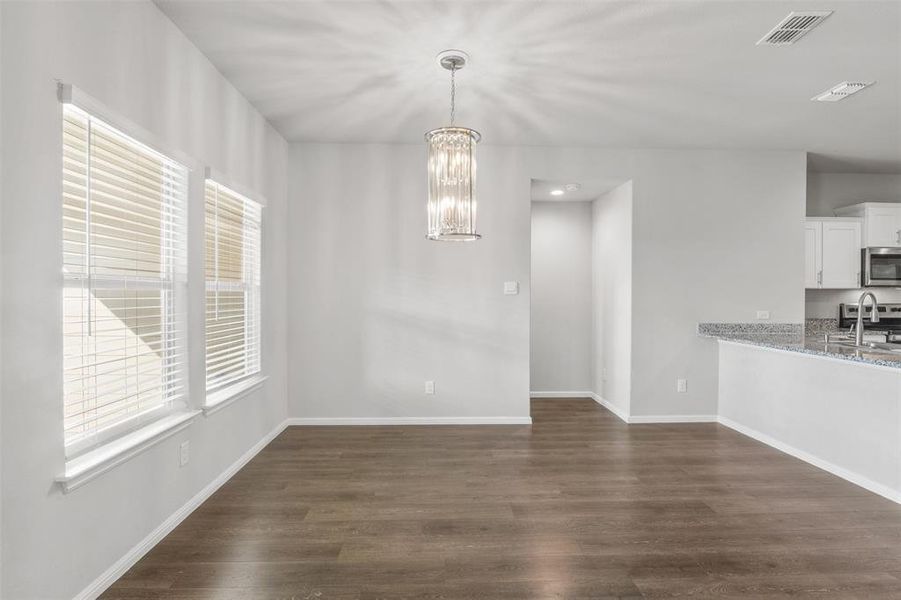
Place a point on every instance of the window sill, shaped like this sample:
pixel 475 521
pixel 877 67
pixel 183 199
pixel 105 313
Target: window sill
pixel 219 399
pixel 86 467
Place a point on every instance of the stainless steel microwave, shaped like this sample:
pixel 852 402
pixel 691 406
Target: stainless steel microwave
pixel 880 267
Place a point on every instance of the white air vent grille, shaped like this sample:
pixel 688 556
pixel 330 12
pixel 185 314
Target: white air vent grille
pixel 793 27
pixel 841 91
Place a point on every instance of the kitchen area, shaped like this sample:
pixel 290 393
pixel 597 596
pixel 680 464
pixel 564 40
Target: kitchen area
pixel 828 391
pixel 858 250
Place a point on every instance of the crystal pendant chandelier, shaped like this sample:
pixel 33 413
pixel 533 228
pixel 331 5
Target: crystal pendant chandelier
pixel 452 169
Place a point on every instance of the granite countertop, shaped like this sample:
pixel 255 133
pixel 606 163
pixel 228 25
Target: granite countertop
pixel 791 337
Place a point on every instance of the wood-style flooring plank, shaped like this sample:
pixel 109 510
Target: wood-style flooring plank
pixel 578 506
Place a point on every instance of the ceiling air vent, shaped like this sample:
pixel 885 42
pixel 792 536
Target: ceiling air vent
pixel 793 27
pixel 842 91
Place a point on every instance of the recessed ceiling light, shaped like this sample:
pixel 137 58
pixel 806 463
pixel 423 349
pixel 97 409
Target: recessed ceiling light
pixel 556 192
pixel 572 187
pixel 842 91
pixel 793 27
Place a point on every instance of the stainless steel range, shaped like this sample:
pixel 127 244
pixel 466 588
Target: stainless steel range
pixel 889 320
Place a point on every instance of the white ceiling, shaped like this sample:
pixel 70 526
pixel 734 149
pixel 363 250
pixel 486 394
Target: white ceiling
pixel 589 190
pixel 679 73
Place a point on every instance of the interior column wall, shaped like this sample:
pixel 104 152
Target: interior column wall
pixel 612 297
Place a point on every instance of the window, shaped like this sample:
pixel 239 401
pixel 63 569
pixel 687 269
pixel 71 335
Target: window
pixel 233 225
pixel 124 272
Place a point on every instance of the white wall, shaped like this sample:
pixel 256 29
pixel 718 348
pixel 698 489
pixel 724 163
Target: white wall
pixel 828 191
pixel 717 235
pixel 130 57
pixel 612 297
pixel 825 193
pixel 561 297
pixel 376 309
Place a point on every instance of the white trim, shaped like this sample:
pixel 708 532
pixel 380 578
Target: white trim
pixel 864 482
pixel 648 419
pixel 108 577
pixel 127 429
pixel 306 421
pixel 215 401
pixel 90 465
pixel 560 394
pixel 623 415
pixel 644 419
pixel 69 94
pixel 246 192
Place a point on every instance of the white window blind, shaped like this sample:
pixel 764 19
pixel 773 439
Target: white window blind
pixel 124 272
pixel 233 225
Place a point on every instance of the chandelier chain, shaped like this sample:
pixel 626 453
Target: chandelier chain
pixel 453 93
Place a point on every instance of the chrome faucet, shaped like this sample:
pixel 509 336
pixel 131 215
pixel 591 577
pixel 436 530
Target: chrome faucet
pixel 874 315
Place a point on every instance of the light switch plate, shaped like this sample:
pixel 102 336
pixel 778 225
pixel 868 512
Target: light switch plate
pixel 429 387
pixel 511 288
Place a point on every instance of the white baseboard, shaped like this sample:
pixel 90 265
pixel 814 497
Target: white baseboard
pixel 108 577
pixel 307 421
pixel 560 394
pixel 855 478
pixel 645 419
pixel 624 416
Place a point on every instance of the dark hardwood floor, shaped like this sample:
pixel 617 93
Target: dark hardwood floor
pixel 577 506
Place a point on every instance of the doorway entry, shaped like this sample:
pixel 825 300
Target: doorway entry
pixel 581 286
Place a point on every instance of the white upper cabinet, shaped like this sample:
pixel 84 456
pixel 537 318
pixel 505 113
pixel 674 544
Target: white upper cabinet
pixel 832 253
pixel 841 255
pixel 881 222
pixel 813 253
pixel 883 225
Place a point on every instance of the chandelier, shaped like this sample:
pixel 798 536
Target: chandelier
pixel 452 169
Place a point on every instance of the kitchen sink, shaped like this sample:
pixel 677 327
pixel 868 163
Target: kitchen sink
pixel 867 346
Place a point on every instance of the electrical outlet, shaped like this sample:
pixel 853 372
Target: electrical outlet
pixel 430 387
pixel 763 314
pixel 184 453
pixel 682 385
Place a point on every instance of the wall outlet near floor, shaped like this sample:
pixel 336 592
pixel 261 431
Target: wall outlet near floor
pixel 511 288
pixel 763 314
pixel 429 387
pixel 184 453
pixel 682 385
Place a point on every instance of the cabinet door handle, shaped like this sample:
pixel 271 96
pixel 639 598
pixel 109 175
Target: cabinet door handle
pixel 898 237
pixel 819 277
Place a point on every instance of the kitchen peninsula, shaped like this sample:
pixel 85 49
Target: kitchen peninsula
pixel 829 404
